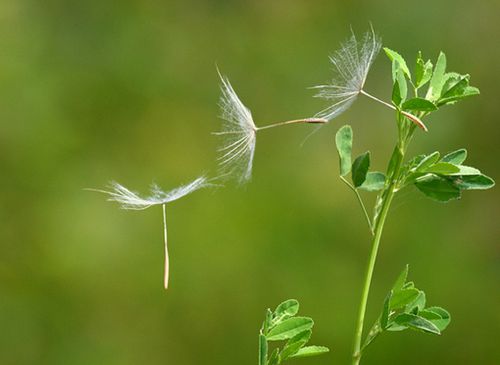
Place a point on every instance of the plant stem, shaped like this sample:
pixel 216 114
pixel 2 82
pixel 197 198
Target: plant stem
pixel 165 281
pixel 387 197
pixel 360 200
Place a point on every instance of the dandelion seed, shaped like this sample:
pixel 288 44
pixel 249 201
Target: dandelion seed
pixel 239 134
pixel 351 64
pixel 132 201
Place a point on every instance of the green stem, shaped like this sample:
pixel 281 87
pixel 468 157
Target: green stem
pixel 387 197
pixel 360 200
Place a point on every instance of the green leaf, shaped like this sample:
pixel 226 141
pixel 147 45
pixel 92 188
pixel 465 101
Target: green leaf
pixel 343 140
pixel 416 322
pixel 456 87
pixel 409 285
pixel 423 71
pixel 419 104
pixel 274 359
pixel 360 168
pixel 262 350
pixel 374 181
pixel 456 157
pixel 290 328
pixel 444 317
pixel 403 297
pixel 372 334
pixel 310 351
pixel 396 94
pixel 442 168
pixel 268 321
pixel 400 88
pixel 428 161
pixel 396 158
pixel 437 80
pixel 406 170
pixel 466 170
pixel 386 311
pixel 474 182
pixel 287 309
pixel 396 57
pixel 466 92
pixel 294 344
pixel 401 280
pixel 418 302
pixel 452 80
pixel 438 188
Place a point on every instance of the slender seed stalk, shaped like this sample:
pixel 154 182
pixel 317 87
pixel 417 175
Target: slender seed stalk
pixel 295 121
pixel 387 197
pixel 165 281
pixel 279 124
pixel 410 116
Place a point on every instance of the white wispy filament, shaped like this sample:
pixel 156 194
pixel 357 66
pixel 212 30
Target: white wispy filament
pixel 351 64
pixel 239 134
pixel 132 201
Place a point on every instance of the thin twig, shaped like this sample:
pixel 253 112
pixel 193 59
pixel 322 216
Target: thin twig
pixel 367 216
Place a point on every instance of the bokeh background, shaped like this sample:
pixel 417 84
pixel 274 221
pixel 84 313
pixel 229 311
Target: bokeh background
pixel 99 90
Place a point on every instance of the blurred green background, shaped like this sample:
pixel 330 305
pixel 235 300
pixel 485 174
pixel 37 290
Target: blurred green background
pixel 92 91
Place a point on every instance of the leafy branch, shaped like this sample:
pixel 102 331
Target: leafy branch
pixel 441 179
pixel 405 308
pixel 283 325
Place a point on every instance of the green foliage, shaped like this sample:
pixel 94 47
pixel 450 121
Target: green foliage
pixel 423 71
pixel 343 141
pixel 398 60
pixel 283 325
pixel 400 88
pixel 444 88
pixel 419 104
pixel 444 179
pixel 284 330
pixel 360 168
pixel 439 178
pixel 361 177
pixel 437 79
pixel 456 157
pixel 404 308
pixel 374 181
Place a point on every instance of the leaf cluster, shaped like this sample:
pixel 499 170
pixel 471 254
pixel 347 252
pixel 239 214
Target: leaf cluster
pixel 439 178
pixel 282 324
pixel 443 179
pixel 405 308
pixel 443 88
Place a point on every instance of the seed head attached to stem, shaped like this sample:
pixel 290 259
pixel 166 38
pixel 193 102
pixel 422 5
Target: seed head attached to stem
pixel 132 201
pixel 239 134
pixel 351 64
